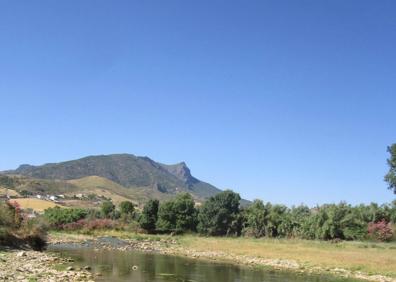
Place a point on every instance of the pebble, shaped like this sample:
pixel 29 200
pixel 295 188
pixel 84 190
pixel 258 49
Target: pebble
pixel 31 265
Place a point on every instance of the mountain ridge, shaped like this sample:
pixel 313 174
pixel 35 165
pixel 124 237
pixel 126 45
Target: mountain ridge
pixel 128 170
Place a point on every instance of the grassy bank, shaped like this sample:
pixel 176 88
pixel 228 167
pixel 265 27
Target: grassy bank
pixel 371 258
pixel 366 257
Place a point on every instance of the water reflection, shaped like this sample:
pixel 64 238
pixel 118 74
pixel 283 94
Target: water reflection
pixel 117 266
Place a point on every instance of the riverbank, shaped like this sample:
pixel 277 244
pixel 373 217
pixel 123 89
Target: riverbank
pixel 361 260
pixel 31 266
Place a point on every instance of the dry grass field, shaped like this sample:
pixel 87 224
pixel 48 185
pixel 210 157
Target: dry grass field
pixel 34 204
pixel 371 258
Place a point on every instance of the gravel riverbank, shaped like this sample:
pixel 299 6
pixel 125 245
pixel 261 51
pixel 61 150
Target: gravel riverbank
pixel 30 266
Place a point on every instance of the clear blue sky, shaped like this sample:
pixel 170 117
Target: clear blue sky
pixel 287 101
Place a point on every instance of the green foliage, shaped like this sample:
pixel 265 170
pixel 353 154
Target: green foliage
pixel 326 222
pixel 127 211
pixel 255 219
pixel 126 208
pixel 220 215
pixel 335 222
pixel 277 226
pixel 390 177
pixel 392 212
pixel 273 220
pixel 58 216
pixel 107 208
pixel 149 216
pixel 178 215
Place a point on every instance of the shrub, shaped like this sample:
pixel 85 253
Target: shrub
pixel 58 216
pixel 34 232
pixel 380 231
pixel 15 230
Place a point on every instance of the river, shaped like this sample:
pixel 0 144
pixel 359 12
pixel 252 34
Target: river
pixel 114 265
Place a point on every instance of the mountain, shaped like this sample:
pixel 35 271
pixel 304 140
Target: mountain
pixel 127 171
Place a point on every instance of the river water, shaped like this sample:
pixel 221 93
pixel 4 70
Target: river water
pixel 114 265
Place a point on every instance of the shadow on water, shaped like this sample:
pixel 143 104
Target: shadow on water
pixel 118 266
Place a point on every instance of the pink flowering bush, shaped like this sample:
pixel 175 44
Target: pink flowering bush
pixel 381 231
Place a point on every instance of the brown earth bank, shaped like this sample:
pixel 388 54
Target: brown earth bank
pixel 31 266
pixel 171 246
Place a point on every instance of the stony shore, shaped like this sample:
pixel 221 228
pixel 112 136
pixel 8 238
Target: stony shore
pixel 171 247
pixel 29 266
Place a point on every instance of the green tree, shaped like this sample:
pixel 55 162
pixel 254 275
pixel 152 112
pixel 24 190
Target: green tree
pixel 220 215
pixel 390 177
pixel 127 208
pixel 149 216
pixel 298 215
pixel 255 219
pixel 277 221
pixel 107 208
pixel 177 215
pixel 335 222
pixel 392 212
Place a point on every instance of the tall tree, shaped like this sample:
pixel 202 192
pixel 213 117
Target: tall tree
pixel 126 208
pixel 177 215
pixel 390 177
pixel 220 215
pixel 149 216
pixel 107 208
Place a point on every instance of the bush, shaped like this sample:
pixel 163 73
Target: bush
pixel 34 232
pixel 59 216
pixel 380 231
pixel 15 230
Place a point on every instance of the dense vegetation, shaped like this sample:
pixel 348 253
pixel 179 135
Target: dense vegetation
pixel 16 230
pixel 222 215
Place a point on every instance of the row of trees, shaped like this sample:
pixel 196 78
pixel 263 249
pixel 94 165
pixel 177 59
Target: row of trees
pixel 58 217
pixel 222 215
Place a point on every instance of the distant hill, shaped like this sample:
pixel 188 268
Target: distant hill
pixel 119 173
